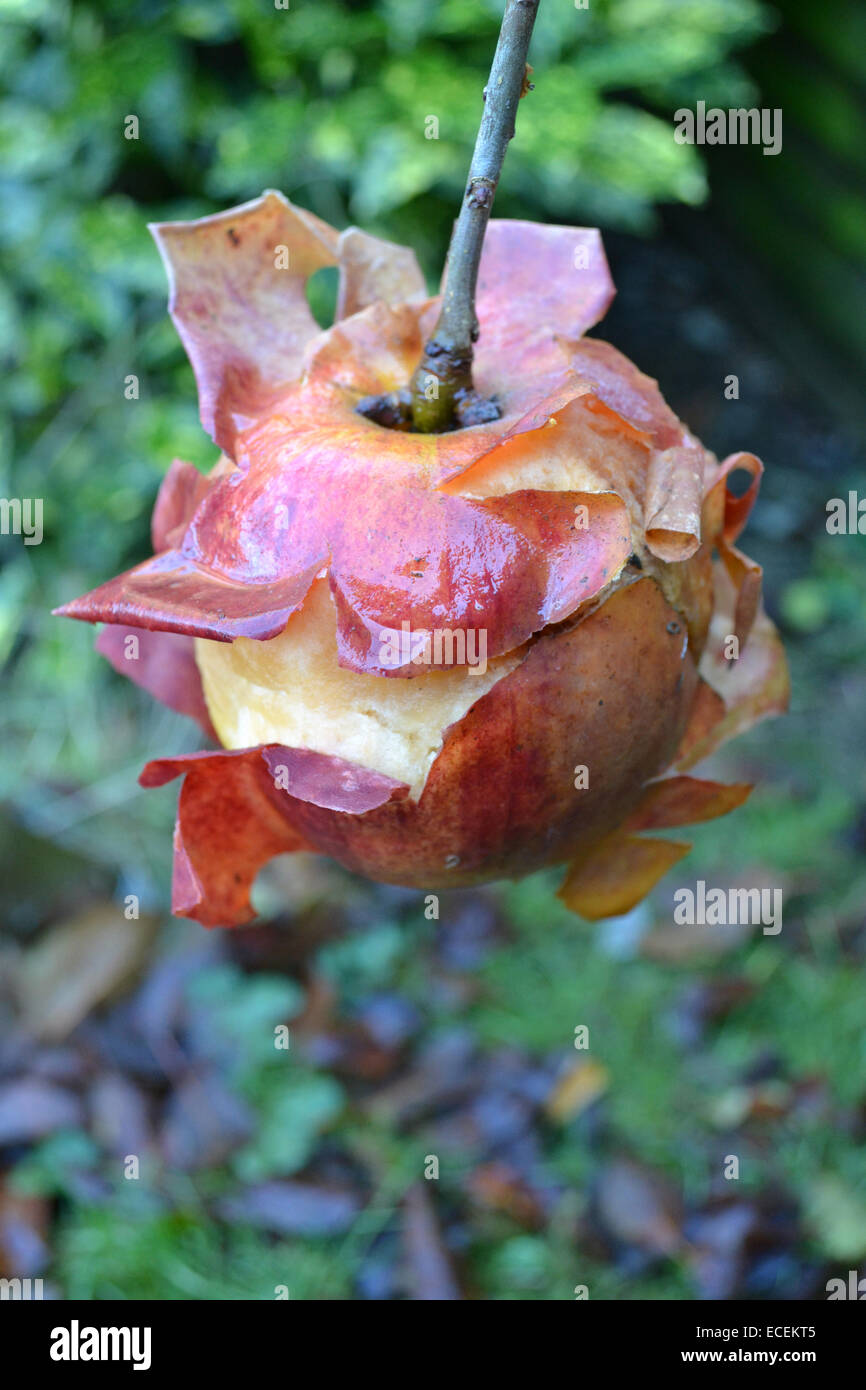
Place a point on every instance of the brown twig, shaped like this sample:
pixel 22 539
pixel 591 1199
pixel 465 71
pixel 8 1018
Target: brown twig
pixel 442 391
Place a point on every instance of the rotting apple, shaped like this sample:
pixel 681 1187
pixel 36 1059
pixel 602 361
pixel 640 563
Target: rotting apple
pixel 586 533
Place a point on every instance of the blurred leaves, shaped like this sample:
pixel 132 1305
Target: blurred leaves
pixel 556 1167
pixel 838 1216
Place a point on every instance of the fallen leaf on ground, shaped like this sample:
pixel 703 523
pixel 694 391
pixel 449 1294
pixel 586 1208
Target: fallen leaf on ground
pixel 639 1207
pixel 584 1082
pixel 499 1187
pixel 79 964
pixel 293 1208
pixel 30 1109
pixel 430 1272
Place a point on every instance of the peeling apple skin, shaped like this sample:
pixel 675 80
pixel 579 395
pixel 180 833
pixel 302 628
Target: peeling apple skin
pixel 690 588
pixel 612 693
pixel 599 626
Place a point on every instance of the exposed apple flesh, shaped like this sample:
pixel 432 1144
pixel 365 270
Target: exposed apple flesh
pixel 292 690
pixel 500 799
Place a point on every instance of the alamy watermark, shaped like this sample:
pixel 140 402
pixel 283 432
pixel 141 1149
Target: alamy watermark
pixel 438 646
pixel 846 516
pixel 719 907
pixel 737 126
pixel 22 516
pixel 853 1288
pixel 77 1343
pixel 21 1289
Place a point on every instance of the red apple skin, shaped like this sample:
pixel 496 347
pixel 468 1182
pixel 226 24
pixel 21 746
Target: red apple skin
pixel 612 693
pixel 608 680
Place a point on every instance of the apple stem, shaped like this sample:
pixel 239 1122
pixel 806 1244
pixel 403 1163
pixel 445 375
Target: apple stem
pixel 442 393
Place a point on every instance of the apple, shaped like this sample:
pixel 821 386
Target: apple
pixel 321 601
